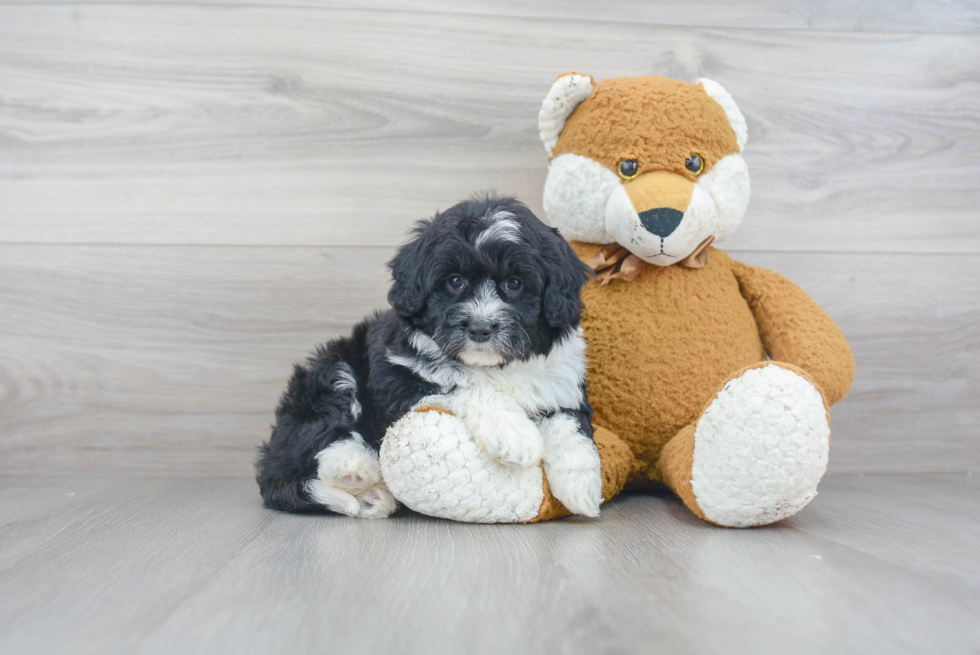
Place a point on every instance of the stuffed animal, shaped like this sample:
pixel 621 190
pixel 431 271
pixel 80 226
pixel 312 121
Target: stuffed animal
pixel 431 463
pixel 717 375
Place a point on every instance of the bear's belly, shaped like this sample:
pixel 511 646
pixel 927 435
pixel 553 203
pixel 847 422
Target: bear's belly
pixel 661 347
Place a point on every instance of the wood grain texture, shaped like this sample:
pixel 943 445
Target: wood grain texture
pixel 194 565
pixel 941 16
pixel 171 359
pixel 191 124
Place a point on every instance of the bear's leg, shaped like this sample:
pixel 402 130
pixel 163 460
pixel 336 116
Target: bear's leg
pixel 757 452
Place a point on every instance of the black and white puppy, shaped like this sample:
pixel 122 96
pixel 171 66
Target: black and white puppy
pixel 485 322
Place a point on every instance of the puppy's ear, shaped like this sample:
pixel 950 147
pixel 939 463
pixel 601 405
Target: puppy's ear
pixel 409 291
pixel 566 274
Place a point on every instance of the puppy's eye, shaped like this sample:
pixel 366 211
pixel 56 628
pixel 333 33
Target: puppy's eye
pixel 628 168
pixel 694 163
pixel 456 282
pixel 512 285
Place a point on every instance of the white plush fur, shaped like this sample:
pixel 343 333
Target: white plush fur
pixel 564 96
pixel 623 223
pixel 349 480
pixel 434 466
pixel 760 449
pixel 575 195
pixel 588 202
pixel 734 114
pixel 571 463
pixel 727 183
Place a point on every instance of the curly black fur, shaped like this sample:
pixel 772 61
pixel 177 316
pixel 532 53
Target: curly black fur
pixel 320 406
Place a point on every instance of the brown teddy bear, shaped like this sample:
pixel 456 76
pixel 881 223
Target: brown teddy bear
pixel 717 375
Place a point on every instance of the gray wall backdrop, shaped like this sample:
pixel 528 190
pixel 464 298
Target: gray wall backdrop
pixel 193 194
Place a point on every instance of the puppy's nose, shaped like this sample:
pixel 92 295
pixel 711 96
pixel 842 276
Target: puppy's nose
pixel 479 331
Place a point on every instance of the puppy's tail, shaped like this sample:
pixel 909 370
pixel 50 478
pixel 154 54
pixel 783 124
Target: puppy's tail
pixel 286 493
pixel 289 496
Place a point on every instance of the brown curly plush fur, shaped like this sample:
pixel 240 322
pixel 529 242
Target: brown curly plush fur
pixel 687 121
pixel 663 345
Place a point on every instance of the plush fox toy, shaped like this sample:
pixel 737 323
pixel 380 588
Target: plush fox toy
pixel 717 375
pixel 706 374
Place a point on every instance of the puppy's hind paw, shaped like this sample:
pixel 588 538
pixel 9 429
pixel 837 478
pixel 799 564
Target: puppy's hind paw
pixel 377 503
pixel 336 500
pixel 350 465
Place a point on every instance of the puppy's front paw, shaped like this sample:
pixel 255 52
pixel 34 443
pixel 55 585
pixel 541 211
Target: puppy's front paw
pixel 511 439
pixel 572 465
pixel 579 490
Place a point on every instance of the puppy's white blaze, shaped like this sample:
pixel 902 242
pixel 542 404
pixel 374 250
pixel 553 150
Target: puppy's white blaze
pixel 485 304
pixel 497 214
pixel 571 463
pixel 502 230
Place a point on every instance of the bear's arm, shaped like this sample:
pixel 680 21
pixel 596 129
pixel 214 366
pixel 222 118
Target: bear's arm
pixel 795 329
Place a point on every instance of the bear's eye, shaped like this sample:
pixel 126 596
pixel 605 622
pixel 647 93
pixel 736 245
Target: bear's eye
pixel 456 282
pixel 512 285
pixel 694 163
pixel 628 168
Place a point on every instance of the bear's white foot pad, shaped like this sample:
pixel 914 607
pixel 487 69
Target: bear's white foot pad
pixel 432 464
pixel 760 449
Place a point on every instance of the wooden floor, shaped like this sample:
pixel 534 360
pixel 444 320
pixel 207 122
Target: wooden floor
pixel 877 564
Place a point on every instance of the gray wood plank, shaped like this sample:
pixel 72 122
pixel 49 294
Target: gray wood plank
pixel 944 16
pixel 265 125
pixel 196 565
pixel 171 359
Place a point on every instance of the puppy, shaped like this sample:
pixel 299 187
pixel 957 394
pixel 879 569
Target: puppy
pixel 485 322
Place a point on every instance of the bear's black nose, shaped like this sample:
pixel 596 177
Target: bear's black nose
pixel 479 331
pixel 661 221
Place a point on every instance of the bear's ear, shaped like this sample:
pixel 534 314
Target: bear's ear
pixel 735 118
pixel 565 94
